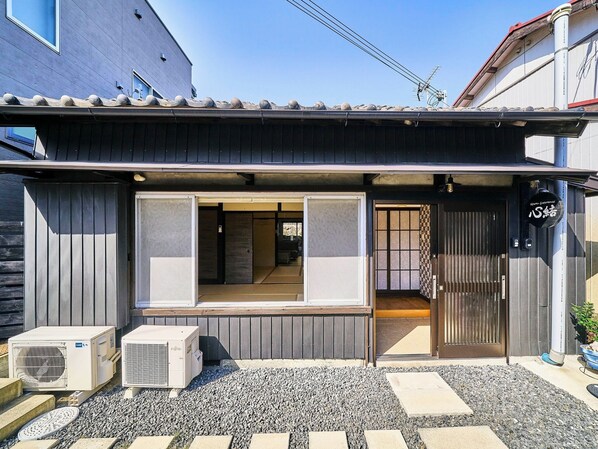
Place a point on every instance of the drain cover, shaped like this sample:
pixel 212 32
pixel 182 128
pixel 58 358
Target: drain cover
pixel 593 389
pixel 48 423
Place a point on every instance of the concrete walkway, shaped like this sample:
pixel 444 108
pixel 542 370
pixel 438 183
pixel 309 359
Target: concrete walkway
pixel 571 377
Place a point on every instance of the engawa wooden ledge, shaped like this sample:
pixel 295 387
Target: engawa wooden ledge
pixel 253 311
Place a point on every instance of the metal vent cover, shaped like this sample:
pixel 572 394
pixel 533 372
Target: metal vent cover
pixel 41 365
pixel 146 364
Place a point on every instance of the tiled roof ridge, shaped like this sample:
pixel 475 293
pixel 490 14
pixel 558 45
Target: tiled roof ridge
pixel 95 101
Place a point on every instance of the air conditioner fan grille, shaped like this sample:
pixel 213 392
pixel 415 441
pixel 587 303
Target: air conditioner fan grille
pixel 41 364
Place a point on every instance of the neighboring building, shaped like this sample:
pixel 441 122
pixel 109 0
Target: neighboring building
pixel 49 47
pixel 279 231
pixel 520 73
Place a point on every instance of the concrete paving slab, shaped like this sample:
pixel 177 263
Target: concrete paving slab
pixel 94 443
pixel 212 442
pixel 426 394
pixel 572 377
pixel 385 439
pixel 36 444
pixel 469 437
pixel 159 442
pixel 269 441
pixel 328 440
pixel 10 389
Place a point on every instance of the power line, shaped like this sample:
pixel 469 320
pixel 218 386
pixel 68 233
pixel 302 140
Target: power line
pixel 334 24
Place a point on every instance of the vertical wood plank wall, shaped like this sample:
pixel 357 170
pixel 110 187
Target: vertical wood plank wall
pixel 76 254
pixel 274 337
pixel 530 276
pixel 11 278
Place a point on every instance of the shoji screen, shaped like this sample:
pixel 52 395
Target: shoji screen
pixel 166 251
pixel 335 249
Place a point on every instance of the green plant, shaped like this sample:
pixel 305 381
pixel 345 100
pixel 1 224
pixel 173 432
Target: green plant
pixel 585 321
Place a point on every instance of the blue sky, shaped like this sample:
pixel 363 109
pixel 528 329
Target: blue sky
pixel 254 49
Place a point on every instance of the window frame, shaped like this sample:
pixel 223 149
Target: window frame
pixel 152 91
pixel 12 136
pixel 33 33
pixel 298 197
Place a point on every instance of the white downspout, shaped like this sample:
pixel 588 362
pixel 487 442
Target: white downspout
pixel 560 21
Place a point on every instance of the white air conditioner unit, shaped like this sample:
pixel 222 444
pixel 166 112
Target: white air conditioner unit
pixel 161 356
pixel 76 358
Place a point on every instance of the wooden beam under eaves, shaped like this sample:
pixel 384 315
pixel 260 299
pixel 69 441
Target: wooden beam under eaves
pixel 368 178
pixel 248 177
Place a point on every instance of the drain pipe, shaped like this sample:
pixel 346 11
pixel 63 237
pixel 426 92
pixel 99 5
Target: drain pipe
pixel 560 21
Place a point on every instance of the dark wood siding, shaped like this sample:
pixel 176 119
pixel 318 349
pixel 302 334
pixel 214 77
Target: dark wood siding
pixel 279 143
pixel 76 254
pixel 530 277
pixel 11 278
pixel 274 337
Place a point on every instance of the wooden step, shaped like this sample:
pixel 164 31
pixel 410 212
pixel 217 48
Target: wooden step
pixel 10 389
pixel 403 313
pixel 20 411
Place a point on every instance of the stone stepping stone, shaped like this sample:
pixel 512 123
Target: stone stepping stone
pixel 160 442
pixel 269 441
pixel 94 443
pixel 469 437
pixel 328 440
pixel 212 442
pixel 36 444
pixel 385 439
pixel 426 394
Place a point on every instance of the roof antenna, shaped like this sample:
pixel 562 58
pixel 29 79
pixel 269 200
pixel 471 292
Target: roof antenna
pixel 433 97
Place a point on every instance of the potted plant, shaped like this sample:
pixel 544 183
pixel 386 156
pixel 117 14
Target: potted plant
pixel 585 321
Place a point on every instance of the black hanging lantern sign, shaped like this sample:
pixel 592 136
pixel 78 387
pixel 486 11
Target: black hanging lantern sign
pixel 544 209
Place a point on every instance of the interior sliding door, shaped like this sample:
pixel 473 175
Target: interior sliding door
pixel 166 263
pixel 334 250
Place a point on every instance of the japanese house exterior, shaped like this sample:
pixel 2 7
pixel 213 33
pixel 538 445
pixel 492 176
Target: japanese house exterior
pixel 112 234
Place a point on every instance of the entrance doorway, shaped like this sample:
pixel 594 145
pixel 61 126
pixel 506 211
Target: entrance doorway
pixel 403 270
pixel 440 277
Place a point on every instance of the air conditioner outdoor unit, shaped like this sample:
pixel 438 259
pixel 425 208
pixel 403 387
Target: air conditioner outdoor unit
pixel 161 356
pixel 76 358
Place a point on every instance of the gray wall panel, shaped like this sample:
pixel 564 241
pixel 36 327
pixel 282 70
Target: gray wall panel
pixel 530 278
pixel 274 337
pixel 75 240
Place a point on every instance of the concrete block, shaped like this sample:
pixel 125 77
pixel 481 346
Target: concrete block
pixel 158 442
pixel 10 389
pixel 94 443
pixel 469 437
pixel 385 439
pixel 328 440
pixel 269 441
pixel 36 444
pixel 212 442
pixel 426 394
pixel 22 410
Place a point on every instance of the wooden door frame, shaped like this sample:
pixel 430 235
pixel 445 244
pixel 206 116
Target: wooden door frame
pixel 497 350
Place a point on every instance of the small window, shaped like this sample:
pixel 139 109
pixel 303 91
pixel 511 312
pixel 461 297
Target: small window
pixel 40 18
pixel 21 135
pixel 142 88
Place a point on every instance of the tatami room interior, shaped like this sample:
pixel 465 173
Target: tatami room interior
pixel 250 251
pixel 403 278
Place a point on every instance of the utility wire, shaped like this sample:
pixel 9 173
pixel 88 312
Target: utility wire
pixel 364 41
pixel 325 18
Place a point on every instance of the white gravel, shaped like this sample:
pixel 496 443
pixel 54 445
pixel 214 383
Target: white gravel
pixel 522 409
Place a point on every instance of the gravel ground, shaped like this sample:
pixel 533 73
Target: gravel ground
pixel 522 409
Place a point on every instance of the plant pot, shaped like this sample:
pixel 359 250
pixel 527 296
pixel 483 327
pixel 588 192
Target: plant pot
pixel 591 357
